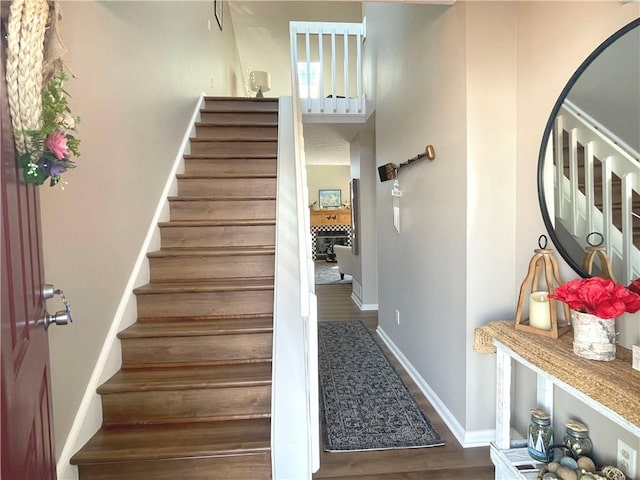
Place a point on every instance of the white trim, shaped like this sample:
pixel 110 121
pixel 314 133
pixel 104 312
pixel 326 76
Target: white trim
pixel 356 293
pixel 89 409
pixel 477 438
pixel 294 420
pixel 363 306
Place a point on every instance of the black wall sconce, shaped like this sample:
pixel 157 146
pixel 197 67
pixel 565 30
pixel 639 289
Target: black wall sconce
pixel 390 170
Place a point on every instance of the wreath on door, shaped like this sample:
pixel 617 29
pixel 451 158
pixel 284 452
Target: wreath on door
pixel 43 127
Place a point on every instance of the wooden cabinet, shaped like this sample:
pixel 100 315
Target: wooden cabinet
pixel 331 217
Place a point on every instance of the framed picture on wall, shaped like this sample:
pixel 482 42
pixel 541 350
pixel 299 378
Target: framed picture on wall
pixel 218 9
pixel 331 198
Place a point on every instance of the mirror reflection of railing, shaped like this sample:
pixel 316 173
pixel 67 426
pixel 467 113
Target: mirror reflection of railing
pixel 613 100
pixel 596 188
pixel 328 83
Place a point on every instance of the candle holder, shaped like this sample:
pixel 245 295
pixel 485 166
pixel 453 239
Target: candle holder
pixel 543 311
pixel 596 250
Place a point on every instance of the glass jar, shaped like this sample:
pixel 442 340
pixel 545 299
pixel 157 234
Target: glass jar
pixel 540 435
pixel 577 438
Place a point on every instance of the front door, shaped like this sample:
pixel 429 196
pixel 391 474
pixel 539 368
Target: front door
pixel 26 422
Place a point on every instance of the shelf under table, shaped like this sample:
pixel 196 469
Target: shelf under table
pixel 555 364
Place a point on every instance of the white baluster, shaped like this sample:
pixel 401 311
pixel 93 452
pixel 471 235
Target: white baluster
pixel 359 70
pixel 308 54
pixel 589 186
pixel 333 70
pixel 321 72
pixel 346 71
pixel 559 173
pixel 627 226
pixel 573 174
pixel 607 205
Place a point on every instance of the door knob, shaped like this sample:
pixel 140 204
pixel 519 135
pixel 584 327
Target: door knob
pixel 61 317
pixel 58 318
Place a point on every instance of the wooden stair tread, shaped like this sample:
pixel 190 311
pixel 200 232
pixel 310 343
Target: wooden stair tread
pixel 219 223
pixel 246 123
pixel 176 440
pixel 244 110
pixel 191 328
pixel 242 99
pixel 190 377
pixel 230 156
pixel 241 138
pixel 183 198
pixel 211 285
pixel 226 176
pixel 212 251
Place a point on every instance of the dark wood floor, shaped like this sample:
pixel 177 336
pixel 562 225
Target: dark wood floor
pixel 450 462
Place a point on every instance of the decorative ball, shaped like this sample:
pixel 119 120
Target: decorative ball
pixel 613 473
pixel 566 473
pixel 586 464
pixel 569 462
pixel 553 466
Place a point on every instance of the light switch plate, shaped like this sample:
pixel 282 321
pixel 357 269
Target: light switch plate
pixel 636 357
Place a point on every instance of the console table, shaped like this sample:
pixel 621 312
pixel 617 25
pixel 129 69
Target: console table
pixel 555 364
pixel 331 216
pixel 330 222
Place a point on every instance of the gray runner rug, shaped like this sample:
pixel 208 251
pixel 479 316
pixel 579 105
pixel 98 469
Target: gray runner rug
pixel 364 403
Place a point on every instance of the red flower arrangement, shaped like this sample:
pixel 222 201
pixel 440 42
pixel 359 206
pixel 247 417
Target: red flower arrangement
pixel 599 296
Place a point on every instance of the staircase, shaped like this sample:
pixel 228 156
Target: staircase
pixel 192 400
pixel 616 188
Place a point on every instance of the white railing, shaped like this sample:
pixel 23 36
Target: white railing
pixel 330 83
pixel 295 429
pixel 578 211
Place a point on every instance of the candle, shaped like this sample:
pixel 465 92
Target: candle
pixel 539 313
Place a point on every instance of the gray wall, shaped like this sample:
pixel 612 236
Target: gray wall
pixel 609 91
pixel 478 81
pixel 363 158
pixel 139 67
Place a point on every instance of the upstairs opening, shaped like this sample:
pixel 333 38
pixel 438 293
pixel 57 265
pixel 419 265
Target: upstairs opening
pixel 326 58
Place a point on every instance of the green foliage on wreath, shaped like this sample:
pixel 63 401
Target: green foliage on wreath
pixel 50 148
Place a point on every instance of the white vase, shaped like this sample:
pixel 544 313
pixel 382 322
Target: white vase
pixel 593 337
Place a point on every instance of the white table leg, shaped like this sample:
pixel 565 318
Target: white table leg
pixel 503 400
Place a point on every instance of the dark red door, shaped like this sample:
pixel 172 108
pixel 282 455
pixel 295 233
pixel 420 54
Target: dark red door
pixel 26 423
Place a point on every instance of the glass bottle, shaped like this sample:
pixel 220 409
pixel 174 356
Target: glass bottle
pixel 577 438
pixel 540 435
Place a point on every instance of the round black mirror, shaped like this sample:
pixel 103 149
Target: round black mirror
pixel 589 165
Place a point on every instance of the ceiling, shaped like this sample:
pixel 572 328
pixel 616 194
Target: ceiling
pixel 328 143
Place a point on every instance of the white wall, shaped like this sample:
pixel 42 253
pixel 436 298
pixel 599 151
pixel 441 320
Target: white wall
pixel 262 30
pixel 140 67
pixel 478 81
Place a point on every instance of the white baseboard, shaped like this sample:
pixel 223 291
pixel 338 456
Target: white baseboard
pixel 356 294
pixel 468 439
pixel 89 415
pixel 363 306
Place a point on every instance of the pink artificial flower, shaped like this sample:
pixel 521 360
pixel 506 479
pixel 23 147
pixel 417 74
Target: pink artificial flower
pixel 635 286
pixel 598 296
pixel 57 143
